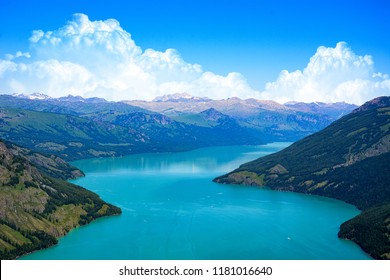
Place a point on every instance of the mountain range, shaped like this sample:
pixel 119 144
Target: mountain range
pixel 74 128
pixel 276 122
pixel 348 160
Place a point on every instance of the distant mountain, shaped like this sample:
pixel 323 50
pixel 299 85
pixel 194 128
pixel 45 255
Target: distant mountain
pixel 162 133
pixel 75 99
pixel 77 130
pixel 274 121
pixel 207 118
pixel 72 105
pixel 333 110
pixel 71 98
pixel 74 127
pixel 236 107
pixel 33 96
pixel 349 160
pixel 179 97
pixel 36 205
pixel 213 115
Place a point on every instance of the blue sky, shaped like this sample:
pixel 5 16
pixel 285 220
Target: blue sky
pixel 257 39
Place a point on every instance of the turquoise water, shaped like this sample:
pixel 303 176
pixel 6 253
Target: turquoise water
pixel 172 210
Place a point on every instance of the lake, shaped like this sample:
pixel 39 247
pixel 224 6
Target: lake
pixel 173 210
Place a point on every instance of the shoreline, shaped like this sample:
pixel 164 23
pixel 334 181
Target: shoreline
pixel 58 238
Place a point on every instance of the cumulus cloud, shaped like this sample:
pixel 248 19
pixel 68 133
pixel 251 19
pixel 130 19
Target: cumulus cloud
pixel 332 75
pixel 100 58
pixel 214 86
pixel 17 55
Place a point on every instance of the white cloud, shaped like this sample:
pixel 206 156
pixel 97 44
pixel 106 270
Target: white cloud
pixel 51 75
pixel 7 66
pixel 380 75
pixel 17 55
pixel 91 38
pixel 332 74
pixel 212 85
pixel 168 66
pixel 99 58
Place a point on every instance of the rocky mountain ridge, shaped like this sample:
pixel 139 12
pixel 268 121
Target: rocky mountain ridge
pixel 278 122
pixel 186 103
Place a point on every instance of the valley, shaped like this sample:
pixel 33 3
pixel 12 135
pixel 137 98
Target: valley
pixel 45 133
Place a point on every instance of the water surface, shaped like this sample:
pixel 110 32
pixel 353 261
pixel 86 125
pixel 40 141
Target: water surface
pixel 172 210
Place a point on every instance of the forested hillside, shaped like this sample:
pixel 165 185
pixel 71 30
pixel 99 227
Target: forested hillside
pixel 349 160
pixel 36 205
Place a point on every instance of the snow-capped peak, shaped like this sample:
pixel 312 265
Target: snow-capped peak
pixel 39 96
pixel 178 97
pixel 35 95
pixel 20 95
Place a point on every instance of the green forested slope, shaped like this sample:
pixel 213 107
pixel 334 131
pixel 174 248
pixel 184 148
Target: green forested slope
pixel 370 230
pixel 108 133
pixel 349 160
pixel 36 208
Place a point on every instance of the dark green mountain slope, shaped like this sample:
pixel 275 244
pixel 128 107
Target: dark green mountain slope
pixel 370 230
pixel 50 165
pixel 112 133
pixel 67 136
pixel 349 160
pixel 36 208
pixel 164 133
